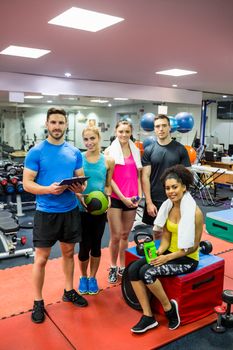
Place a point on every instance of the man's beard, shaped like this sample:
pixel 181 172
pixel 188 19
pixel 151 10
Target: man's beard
pixel 56 137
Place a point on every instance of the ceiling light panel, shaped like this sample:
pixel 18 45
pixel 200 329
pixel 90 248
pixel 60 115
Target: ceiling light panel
pixel 34 97
pixel 78 18
pixel 99 101
pixel 21 51
pixel 176 72
pixel 121 99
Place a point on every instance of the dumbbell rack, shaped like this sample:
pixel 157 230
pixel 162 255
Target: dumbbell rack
pixel 8 237
pixel 18 204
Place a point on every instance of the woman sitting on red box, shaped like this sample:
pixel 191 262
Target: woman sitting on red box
pixel 182 223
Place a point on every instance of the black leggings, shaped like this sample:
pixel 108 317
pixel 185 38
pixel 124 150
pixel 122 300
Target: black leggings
pixel 92 232
pixel 140 270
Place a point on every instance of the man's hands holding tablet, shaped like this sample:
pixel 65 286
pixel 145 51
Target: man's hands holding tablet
pixel 74 180
pixel 74 184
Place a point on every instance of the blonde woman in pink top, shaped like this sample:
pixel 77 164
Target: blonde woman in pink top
pixel 126 193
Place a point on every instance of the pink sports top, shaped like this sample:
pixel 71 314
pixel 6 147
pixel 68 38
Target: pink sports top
pixel 126 178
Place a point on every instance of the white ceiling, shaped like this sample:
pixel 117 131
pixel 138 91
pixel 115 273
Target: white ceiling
pixel 155 35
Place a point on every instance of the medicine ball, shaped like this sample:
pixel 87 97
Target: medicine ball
pixel 96 202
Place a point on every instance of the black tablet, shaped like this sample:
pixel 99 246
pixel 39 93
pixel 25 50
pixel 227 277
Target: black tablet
pixel 73 180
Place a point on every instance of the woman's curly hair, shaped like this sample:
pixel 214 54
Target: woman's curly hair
pixel 179 173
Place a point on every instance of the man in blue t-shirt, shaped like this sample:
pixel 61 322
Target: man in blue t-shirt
pixel 57 215
pixel 157 157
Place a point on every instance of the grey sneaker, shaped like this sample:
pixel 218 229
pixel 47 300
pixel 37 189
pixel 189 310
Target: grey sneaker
pixel 173 315
pixel 112 276
pixel 145 323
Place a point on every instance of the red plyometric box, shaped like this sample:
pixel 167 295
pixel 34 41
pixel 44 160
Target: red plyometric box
pixel 197 293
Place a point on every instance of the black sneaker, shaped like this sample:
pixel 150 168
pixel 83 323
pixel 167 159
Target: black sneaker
pixel 173 315
pixel 38 311
pixel 73 297
pixel 145 323
pixel 112 276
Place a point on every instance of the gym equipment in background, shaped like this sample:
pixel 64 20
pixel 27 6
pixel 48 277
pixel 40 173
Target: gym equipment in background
pixel 200 188
pixel 185 122
pixel 225 316
pixel 220 224
pixel 139 145
pixel 173 123
pixel 191 153
pixel 9 228
pixel 96 202
pixel 139 239
pixel 218 327
pixel 22 130
pixel 206 247
pixel 148 141
pixel 11 187
pixel 147 121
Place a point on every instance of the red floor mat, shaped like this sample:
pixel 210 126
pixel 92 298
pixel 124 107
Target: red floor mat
pixel 228 257
pixel 106 324
pixel 228 283
pixel 219 245
pixel 20 333
pixel 20 279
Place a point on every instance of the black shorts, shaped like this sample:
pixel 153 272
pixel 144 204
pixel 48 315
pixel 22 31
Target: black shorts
pixel 52 227
pixel 117 203
pixel 146 218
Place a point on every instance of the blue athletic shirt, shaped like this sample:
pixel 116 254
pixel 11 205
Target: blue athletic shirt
pixel 54 163
pixel 97 175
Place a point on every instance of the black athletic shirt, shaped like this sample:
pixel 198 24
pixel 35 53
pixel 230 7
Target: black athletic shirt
pixel 160 158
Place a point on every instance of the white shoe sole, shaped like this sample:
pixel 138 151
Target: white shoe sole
pixel 153 325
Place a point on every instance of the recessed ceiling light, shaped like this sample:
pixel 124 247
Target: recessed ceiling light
pixel 34 97
pixel 78 18
pixel 109 105
pixel 67 75
pixel 99 101
pixel 174 85
pixel 24 51
pixel 120 98
pixel 176 72
pixel 224 96
pixel 49 101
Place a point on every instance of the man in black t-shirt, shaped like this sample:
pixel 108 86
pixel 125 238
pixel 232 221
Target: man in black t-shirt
pixel 157 157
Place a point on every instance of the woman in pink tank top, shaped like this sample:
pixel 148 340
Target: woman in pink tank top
pixel 126 193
